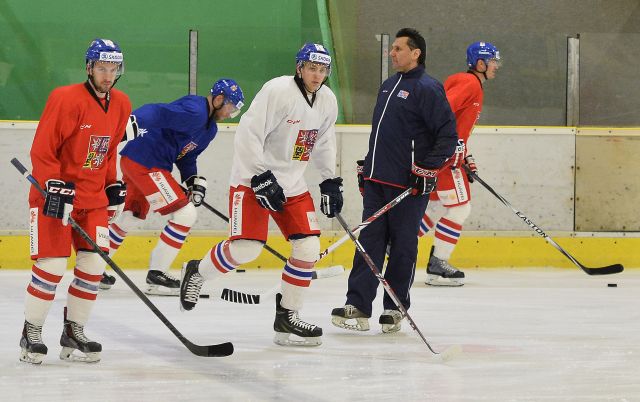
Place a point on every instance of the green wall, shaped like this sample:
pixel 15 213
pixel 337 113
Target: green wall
pixel 43 45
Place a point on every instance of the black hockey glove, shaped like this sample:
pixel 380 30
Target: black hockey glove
pixel 116 194
pixel 268 192
pixel 196 189
pixel 360 172
pixel 423 180
pixel 471 164
pixel 331 197
pixel 58 203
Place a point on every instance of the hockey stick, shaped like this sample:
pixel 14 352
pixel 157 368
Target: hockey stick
pixel 317 274
pixel 448 352
pixel 606 270
pixel 236 296
pixel 218 350
pixel 366 222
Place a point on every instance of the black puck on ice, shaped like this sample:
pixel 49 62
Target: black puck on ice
pixel 612 285
pixel 204 296
pixel 240 270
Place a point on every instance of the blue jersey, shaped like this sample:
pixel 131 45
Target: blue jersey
pixel 169 133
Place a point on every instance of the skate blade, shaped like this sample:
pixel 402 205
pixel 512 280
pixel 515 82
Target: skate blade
pixel 391 328
pixel 104 286
pixel 287 339
pixel 33 358
pixel 361 324
pixel 69 355
pixel 156 290
pixel 436 280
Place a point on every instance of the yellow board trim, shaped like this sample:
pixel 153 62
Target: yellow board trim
pixel 471 252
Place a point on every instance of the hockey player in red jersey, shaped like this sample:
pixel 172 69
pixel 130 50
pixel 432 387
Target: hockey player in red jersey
pixel 74 158
pixel 464 92
pixel 174 133
pixel 290 122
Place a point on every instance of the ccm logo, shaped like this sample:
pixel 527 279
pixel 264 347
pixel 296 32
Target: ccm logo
pixel 62 191
pixel 293 121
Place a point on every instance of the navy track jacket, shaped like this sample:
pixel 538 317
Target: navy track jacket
pixel 412 122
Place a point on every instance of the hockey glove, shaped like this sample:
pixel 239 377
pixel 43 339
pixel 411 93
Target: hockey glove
pixel 268 192
pixel 423 180
pixel 196 189
pixel 458 156
pixel 116 194
pixel 331 197
pixel 58 203
pixel 360 172
pixel 471 164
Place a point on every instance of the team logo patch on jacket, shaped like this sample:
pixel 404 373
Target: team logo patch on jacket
pixel 403 94
pixel 97 152
pixel 304 144
pixel 187 148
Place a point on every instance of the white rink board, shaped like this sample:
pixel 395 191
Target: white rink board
pixel 531 167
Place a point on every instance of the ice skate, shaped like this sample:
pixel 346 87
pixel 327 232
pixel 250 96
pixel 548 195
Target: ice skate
pixel 441 273
pixel 288 323
pixel 391 321
pixel 33 350
pixel 349 317
pixel 107 281
pixel 190 285
pixel 73 339
pixel 161 284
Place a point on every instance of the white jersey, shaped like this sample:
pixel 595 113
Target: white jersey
pixel 281 132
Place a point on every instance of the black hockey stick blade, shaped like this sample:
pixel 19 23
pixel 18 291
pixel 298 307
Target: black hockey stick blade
pixel 219 350
pixel 608 270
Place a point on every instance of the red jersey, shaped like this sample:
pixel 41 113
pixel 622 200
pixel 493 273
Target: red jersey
pixel 464 92
pixel 76 141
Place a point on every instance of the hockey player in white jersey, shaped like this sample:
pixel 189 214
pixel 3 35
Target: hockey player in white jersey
pixel 290 122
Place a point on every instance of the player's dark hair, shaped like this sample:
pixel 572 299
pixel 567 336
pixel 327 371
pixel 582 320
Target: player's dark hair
pixel 415 41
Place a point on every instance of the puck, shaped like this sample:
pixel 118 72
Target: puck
pixel 612 285
pixel 240 270
pixel 204 296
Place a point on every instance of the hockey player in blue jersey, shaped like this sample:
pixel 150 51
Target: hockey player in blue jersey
pixel 161 135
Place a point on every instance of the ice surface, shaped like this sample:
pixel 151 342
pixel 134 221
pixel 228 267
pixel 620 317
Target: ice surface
pixel 526 335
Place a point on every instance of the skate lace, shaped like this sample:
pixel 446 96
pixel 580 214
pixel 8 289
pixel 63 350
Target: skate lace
pixel 446 266
pixel 193 288
pixel 350 310
pixel 167 277
pixel 34 333
pixel 78 332
pixel 295 320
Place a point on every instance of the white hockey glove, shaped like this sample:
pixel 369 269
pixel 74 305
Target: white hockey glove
pixel 116 194
pixel 58 203
pixel 196 189
pixel 268 192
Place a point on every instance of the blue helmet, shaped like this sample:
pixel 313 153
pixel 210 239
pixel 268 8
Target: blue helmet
pixel 232 93
pixel 314 53
pixel 481 51
pixel 105 50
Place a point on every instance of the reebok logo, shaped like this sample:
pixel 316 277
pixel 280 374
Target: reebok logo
pixel 262 186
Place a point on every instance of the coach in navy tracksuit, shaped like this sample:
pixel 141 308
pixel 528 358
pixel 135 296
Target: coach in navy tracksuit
pixel 413 134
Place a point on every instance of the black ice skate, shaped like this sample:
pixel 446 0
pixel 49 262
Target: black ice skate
pixel 190 286
pixel 441 273
pixel 107 281
pixel 391 321
pixel 161 284
pixel 73 338
pixel 349 317
pixel 288 323
pixel 33 350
